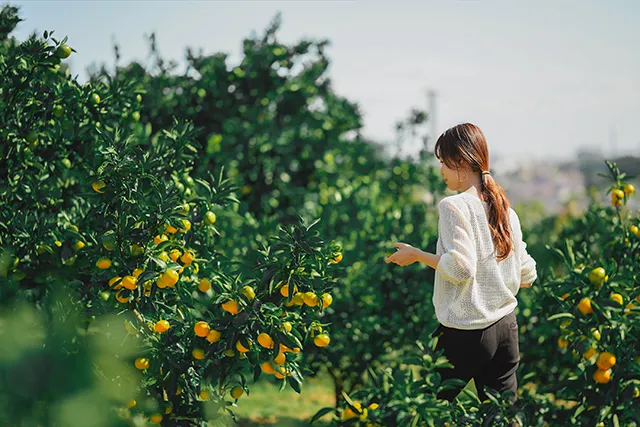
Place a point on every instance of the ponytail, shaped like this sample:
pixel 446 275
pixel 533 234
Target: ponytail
pixel 498 219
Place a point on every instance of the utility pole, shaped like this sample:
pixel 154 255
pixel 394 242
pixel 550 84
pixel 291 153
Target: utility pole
pixel 431 111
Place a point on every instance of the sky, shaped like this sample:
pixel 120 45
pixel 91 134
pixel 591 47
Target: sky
pixel 541 79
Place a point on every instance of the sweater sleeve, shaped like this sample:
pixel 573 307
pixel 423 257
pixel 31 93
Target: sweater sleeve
pixel 528 272
pixel 458 261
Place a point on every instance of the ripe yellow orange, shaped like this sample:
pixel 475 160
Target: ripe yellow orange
pixel 635 230
pixel 205 395
pixel 237 392
pixel 265 340
pixel 562 343
pixel 156 418
pixel 243 349
pixel 168 278
pixel 267 368
pixel 322 340
pixel 115 280
pixel 187 258
pixel 205 285
pixel 159 239
pixel 231 307
pixel 310 299
pixel 98 186
pixel 284 290
pixel 602 376
pixel 164 256
pixel 298 299
pixel 606 360
pixel 79 245
pixel 280 358
pixel 122 298
pixel 585 306
pixel 137 272
pixel 130 282
pixel 336 259
pixel 629 189
pixel 132 403
pixel 162 326
pixel 198 353
pixel 327 300
pixel 564 297
pixel 170 229
pixel 103 263
pixel 201 329
pixel 213 336
pixel 175 254
pixel 589 353
pixel 617 298
pixel 248 292
pixel 287 326
pixel 187 225
pixel 142 363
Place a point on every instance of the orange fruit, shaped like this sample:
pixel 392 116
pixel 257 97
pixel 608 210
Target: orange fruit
pixel 162 326
pixel 267 368
pixel 606 360
pixel 617 298
pixel 205 285
pixel 280 359
pixel 103 263
pixel 231 307
pixel 130 282
pixel 602 376
pixel 142 363
pixel 168 278
pixel 213 336
pixel 241 348
pixel 201 329
pixel 589 353
pixel 265 340
pixel 322 340
pixel 237 392
pixel 198 353
pixel 248 292
pixel 310 299
pixel 327 300
pixel 585 306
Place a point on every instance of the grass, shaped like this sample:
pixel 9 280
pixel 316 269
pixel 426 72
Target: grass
pixel 268 406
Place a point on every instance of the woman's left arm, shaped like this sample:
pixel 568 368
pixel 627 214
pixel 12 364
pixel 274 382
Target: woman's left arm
pixel 407 255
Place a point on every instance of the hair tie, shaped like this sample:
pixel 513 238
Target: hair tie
pixel 486 173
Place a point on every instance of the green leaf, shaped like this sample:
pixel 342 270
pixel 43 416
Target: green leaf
pixel 295 384
pixel 560 316
pixel 321 413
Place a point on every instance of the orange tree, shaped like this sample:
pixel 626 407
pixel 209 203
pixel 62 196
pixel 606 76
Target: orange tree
pixel 293 144
pixel 379 311
pixel 587 327
pixel 102 225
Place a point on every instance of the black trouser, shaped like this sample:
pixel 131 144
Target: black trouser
pixel 490 356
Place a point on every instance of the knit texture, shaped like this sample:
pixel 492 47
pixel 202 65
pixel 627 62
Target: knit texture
pixel 472 288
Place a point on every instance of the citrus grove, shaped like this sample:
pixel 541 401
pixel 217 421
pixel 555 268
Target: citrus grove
pixel 168 239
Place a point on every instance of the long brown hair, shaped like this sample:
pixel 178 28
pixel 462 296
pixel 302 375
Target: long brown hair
pixel 465 145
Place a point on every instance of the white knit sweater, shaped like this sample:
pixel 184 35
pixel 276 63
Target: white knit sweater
pixel 472 289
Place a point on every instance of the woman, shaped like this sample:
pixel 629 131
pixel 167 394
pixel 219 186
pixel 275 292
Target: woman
pixel 481 262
